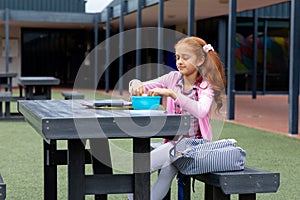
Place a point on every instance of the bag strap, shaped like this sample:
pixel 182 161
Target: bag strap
pixel 170 151
pixel 174 147
pixel 193 183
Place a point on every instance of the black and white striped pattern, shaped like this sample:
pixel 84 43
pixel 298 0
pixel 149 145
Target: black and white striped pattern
pixel 198 156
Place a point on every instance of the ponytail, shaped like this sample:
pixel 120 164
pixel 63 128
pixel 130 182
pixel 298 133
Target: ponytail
pixel 212 70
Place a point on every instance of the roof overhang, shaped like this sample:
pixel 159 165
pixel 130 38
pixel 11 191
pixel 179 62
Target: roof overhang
pixel 176 11
pixel 42 19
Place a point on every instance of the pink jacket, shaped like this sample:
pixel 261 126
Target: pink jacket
pixel 200 109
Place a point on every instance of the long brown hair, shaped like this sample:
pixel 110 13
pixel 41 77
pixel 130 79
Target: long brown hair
pixel 211 69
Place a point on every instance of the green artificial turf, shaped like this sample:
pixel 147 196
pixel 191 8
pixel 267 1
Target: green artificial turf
pixel 21 161
pixel 271 152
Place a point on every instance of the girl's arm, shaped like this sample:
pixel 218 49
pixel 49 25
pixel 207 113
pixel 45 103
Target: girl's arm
pixel 198 108
pixel 160 82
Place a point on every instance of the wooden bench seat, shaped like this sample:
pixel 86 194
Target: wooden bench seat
pixel 72 95
pixel 220 185
pixel 2 189
pixel 246 183
pixel 5 96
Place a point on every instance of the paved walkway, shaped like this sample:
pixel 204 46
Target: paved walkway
pixel 266 112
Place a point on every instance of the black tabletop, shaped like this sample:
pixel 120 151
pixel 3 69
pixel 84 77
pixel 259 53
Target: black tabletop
pixel 69 119
pixel 39 80
pixel 8 74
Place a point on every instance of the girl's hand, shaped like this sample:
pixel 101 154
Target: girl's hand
pixel 136 88
pixel 162 92
pixel 140 91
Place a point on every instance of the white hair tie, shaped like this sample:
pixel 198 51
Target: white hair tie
pixel 207 48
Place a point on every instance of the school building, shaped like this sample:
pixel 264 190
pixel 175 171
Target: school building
pixel 53 37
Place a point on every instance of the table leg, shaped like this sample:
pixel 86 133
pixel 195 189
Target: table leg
pixel 101 160
pixel 47 92
pixel 219 195
pixel 20 91
pixel 185 187
pixel 141 167
pixel 247 196
pixel 29 92
pixel 1 110
pixel 208 192
pixel 50 171
pixel 10 84
pixel 76 172
pixel 7 104
pixel 7 108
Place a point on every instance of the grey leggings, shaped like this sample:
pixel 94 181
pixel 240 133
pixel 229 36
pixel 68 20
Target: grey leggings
pixel 160 160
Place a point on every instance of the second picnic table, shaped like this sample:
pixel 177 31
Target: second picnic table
pixel 37 87
pixel 6 91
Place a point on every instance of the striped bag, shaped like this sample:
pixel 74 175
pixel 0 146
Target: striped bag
pixel 198 156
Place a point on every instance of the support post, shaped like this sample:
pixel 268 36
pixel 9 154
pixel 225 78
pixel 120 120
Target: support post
pixel 160 37
pixel 107 57
pixel 7 40
pixel 139 38
pixel 294 67
pixel 265 56
pixel 191 17
pixel 231 58
pixel 254 72
pixel 121 46
pixel 96 21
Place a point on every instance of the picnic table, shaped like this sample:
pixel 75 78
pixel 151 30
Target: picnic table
pixel 6 91
pixel 6 80
pixel 71 121
pixel 37 87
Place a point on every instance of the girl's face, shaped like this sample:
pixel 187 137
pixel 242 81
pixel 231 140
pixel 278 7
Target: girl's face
pixel 186 60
